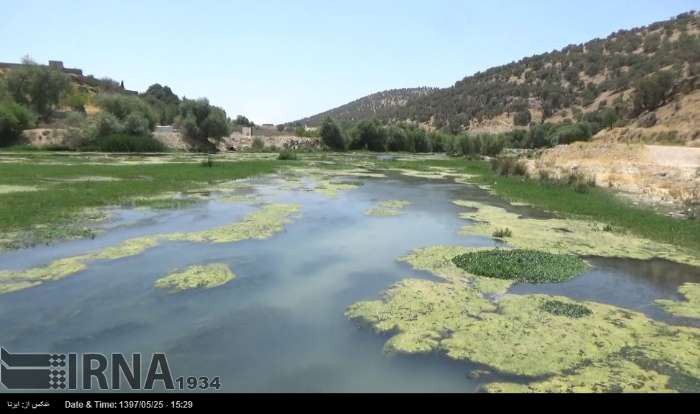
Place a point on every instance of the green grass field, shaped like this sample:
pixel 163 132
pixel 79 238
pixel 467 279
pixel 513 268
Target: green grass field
pixel 62 191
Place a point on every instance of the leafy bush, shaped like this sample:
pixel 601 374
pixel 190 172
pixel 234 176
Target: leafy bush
pixel 507 166
pixel 124 106
pixel 107 124
pixel 258 144
pixel 521 265
pixel 14 118
pixel 76 101
pixel 570 310
pixel 128 143
pixel 136 124
pixel 287 156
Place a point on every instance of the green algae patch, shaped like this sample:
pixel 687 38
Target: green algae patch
pixel 568 236
pixel 571 310
pixel 548 341
pixel 522 265
pixel 690 308
pixel 128 248
pixel 197 277
pixel 617 376
pixel 389 208
pixel 261 224
pixel 8 189
pixel 331 189
pixel 11 281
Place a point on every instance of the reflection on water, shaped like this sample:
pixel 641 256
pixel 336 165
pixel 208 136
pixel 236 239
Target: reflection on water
pixel 280 325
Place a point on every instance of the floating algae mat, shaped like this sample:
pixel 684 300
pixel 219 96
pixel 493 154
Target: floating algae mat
pixel 277 283
pixel 258 225
pixel 567 236
pixel 388 208
pixel 550 343
pixel 197 277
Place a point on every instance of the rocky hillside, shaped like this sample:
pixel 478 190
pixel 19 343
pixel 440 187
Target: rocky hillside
pixel 635 72
pixel 375 105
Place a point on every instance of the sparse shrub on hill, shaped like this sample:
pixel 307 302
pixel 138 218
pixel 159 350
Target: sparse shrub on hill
pixel 522 118
pixel 76 100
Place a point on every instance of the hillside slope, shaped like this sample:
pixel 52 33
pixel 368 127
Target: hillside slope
pixel 559 85
pixel 371 106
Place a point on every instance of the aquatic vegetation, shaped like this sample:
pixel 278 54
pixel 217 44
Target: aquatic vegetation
pixel 128 248
pixel 197 277
pixel 11 281
pixel 608 349
pixel 617 376
pixel 238 199
pixel 388 208
pixel 258 225
pixel 522 265
pixel 582 237
pixel 331 189
pixel 502 233
pixel 688 309
pixel 571 310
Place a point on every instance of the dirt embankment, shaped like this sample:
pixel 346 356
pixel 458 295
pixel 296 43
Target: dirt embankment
pixel 661 176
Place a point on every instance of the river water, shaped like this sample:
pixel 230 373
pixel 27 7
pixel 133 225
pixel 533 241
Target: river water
pixel 280 325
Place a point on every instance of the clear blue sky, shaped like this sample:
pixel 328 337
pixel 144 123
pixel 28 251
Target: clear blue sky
pixel 280 60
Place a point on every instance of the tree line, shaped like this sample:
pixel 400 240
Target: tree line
pixel 36 95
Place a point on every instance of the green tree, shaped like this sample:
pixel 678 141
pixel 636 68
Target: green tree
pixel 369 135
pixel 652 92
pixel 243 121
pixel 199 121
pixel 37 87
pixel 164 102
pixel 331 135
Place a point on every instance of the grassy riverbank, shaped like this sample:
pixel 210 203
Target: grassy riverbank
pixel 49 199
pixel 63 187
pixel 597 204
